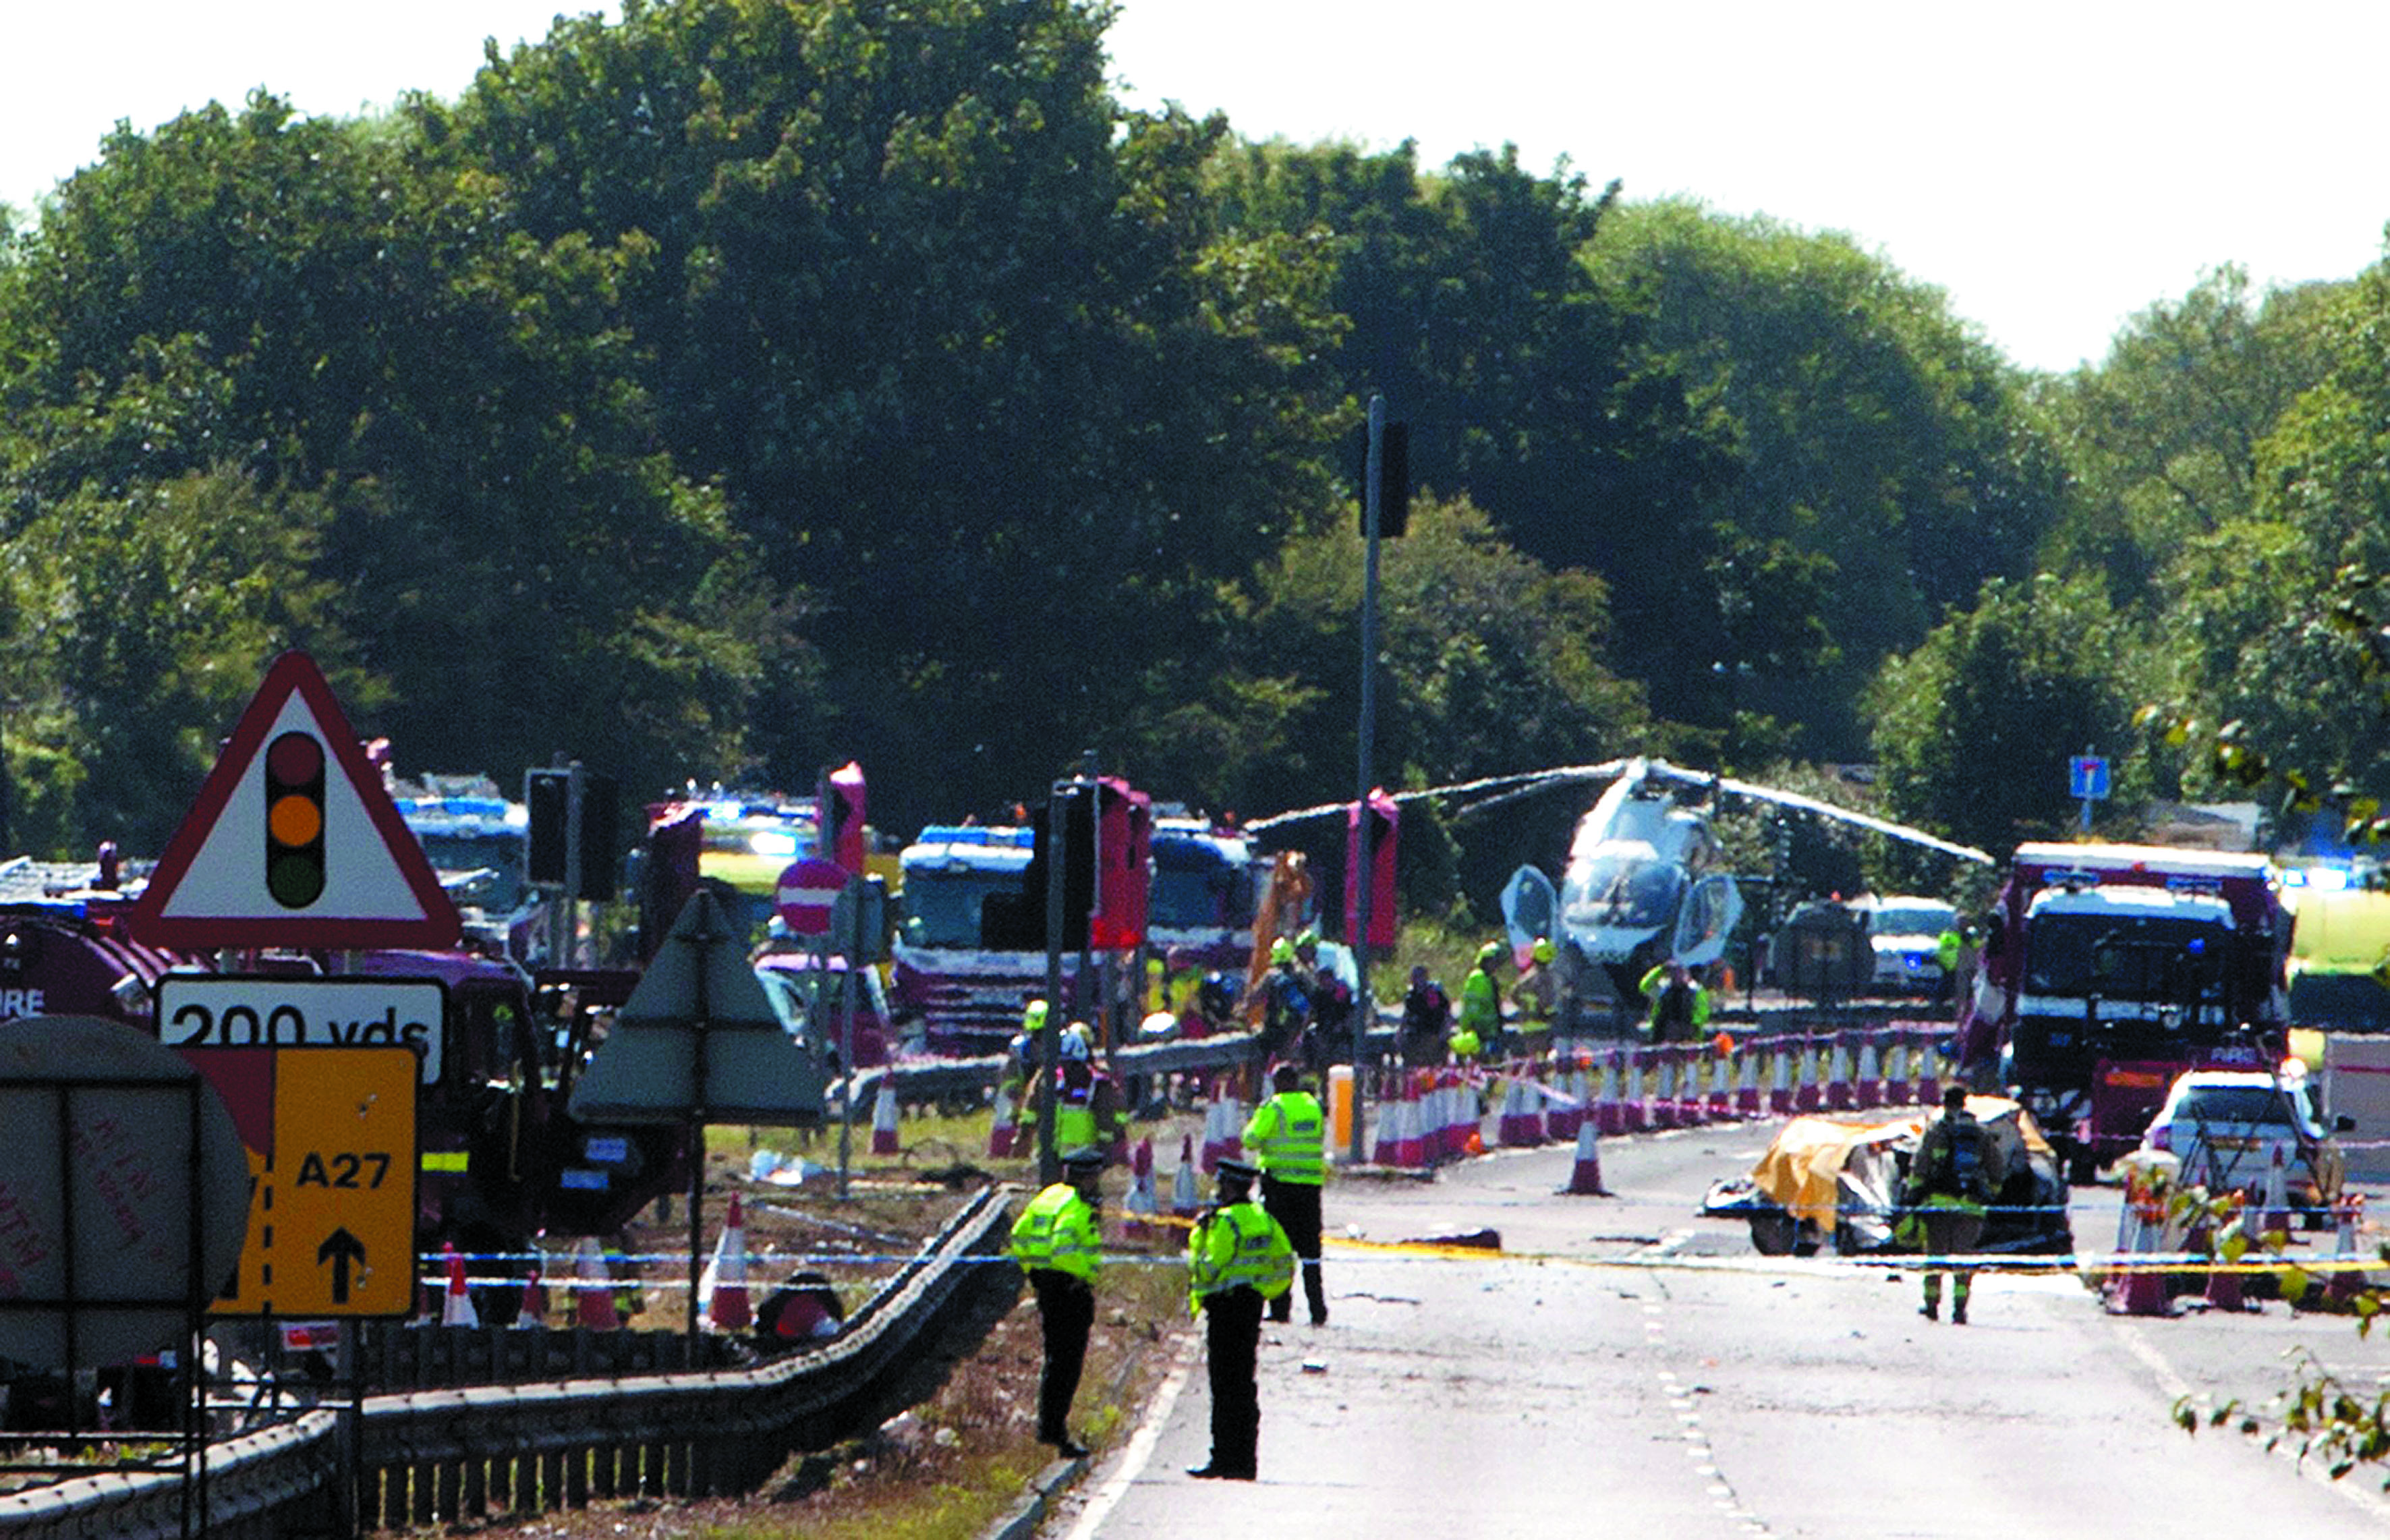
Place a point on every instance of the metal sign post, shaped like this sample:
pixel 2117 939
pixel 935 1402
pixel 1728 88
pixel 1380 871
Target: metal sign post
pixel 851 944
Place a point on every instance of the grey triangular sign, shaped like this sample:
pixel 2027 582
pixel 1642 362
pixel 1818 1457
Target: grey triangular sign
pixel 699 992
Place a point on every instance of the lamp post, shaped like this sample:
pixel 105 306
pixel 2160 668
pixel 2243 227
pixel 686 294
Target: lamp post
pixel 1373 495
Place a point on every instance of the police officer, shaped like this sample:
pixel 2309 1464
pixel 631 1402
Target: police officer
pixel 1957 1172
pixel 1237 1260
pixel 1680 1004
pixel 1058 1240
pixel 1285 1135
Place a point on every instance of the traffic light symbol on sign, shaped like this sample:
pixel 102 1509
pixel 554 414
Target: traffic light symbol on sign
pixel 294 819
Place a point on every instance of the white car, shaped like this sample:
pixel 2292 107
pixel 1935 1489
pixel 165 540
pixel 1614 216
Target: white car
pixel 1906 935
pixel 2227 1126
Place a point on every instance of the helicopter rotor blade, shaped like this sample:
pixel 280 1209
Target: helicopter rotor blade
pixel 1505 787
pixel 1822 809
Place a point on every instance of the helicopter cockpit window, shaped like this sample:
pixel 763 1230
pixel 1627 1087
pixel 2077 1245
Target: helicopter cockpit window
pixel 1634 893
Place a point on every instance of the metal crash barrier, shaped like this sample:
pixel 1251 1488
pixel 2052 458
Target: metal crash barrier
pixel 443 1456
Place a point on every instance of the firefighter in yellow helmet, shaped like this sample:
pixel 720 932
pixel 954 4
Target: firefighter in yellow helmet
pixel 1478 1029
pixel 1536 998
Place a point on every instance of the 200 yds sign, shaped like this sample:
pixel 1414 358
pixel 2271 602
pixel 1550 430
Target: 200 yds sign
pixel 255 1013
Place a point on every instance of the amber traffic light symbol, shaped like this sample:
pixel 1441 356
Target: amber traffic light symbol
pixel 294 820
pixel 294 840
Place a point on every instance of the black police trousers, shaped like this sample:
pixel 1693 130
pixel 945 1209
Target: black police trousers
pixel 1066 1310
pixel 1296 1206
pixel 1232 1348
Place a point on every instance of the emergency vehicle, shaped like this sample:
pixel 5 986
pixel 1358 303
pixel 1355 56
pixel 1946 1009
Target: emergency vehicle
pixel 2108 970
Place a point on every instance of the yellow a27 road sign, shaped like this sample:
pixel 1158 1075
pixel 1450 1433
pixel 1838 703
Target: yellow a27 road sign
pixel 331 1142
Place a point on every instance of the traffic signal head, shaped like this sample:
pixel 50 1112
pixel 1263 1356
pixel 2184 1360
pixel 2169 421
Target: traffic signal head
pixel 294 819
pixel 840 808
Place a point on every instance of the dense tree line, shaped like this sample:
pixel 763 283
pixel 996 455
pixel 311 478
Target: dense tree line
pixel 736 387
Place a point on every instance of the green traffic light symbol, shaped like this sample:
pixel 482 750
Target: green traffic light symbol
pixel 294 820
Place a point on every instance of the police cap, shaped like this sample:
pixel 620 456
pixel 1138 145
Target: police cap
pixel 1084 1159
pixel 1239 1171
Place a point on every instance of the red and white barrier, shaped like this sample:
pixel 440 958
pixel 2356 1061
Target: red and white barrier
pixel 1521 1126
pixel 1462 1118
pixel 1720 1104
pixel 1869 1089
pixel 884 1121
pixel 1411 1132
pixel 1839 1094
pixel 1584 1177
pixel 1692 1076
pixel 1925 1067
pixel 1746 1092
pixel 1661 1109
pixel 1808 1092
pixel 1565 1114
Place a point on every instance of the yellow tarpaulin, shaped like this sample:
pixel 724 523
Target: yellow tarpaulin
pixel 1802 1170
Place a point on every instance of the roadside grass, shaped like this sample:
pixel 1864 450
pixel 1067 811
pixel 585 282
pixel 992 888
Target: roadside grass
pixel 950 1468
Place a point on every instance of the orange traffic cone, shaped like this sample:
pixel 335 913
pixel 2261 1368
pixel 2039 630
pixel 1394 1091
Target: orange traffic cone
pixel 722 1293
pixel 593 1291
pixel 456 1309
pixel 2142 1289
pixel 1185 1201
pixel 1585 1178
pixel 532 1310
pixel 884 1121
pixel 999 1133
pixel 1141 1204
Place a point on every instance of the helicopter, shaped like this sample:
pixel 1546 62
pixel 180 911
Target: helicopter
pixel 1644 883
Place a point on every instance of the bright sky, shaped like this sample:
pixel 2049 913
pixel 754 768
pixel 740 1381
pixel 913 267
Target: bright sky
pixel 2055 165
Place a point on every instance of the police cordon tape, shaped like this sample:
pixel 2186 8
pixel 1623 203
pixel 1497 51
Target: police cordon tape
pixel 2103 1262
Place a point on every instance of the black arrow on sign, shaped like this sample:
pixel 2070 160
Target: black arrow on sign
pixel 341 1249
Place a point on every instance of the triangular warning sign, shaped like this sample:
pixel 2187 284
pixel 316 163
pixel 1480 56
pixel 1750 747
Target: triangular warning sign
pixel 293 841
pixel 699 1038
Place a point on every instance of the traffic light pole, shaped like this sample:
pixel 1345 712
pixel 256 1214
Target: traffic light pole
pixel 1373 503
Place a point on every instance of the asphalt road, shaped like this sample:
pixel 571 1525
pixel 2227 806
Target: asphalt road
pixel 1623 1366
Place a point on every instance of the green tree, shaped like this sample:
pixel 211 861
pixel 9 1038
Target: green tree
pixel 1887 463
pixel 2162 439
pixel 1524 376
pixel 153 610
pixel 312 304
pixel 1973 728
pixel 963 344
pixel 1489 661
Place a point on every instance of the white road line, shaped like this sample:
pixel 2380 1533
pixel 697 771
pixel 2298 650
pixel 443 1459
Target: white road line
pixel 1141 1447
pixel 2137 1343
